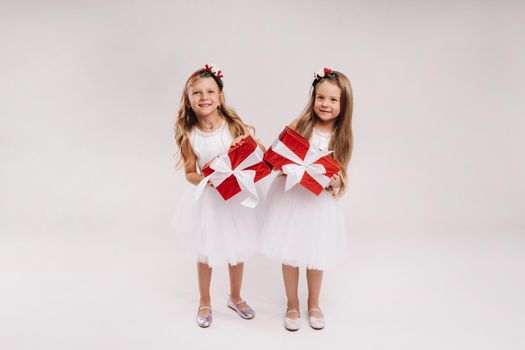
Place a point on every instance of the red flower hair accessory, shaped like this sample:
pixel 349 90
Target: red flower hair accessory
pixel 322 73
pixel 213 69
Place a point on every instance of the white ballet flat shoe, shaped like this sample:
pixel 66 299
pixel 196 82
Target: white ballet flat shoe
pixel 317 323
pixel 292 324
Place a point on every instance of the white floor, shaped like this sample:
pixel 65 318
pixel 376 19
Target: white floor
pixel 136 290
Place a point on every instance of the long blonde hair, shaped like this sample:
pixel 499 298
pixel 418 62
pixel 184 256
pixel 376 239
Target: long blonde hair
pixel 186 118
pixel 341 141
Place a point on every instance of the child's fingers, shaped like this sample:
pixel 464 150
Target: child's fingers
pixel 239 139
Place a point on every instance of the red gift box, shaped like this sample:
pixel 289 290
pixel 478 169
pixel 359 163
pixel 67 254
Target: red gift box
pixel 246 152
pixel 293 154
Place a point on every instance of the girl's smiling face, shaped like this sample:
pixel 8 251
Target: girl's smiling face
pixel 204 96
pixel 327 104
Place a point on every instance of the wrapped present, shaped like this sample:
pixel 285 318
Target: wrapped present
pixel 301 162
pixel 236 171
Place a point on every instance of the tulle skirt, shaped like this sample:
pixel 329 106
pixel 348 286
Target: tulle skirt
pixel 301 229
pixel 216 231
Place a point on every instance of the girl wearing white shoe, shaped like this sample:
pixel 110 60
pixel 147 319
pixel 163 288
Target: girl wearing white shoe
pixel 301 229
pixel 220 231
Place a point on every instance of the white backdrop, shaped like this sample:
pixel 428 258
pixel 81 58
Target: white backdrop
pixel 89 94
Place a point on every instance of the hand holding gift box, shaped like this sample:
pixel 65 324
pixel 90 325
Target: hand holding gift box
pixel 236 171
pixel 301 162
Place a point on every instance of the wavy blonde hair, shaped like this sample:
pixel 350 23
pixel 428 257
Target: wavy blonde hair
pixel 341 141
pixel 186 118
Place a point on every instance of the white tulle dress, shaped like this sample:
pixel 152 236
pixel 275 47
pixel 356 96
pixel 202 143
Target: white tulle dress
pixel 301 229
pixel 212 229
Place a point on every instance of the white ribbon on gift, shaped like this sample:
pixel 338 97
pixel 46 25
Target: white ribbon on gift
pixel 295 172
pixel 245 178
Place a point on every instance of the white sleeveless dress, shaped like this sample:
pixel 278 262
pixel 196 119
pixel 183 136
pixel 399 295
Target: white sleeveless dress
pixel 301 229
pixel 215 230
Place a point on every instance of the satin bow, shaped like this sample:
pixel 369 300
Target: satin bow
pixel 295 172
pixel 245 178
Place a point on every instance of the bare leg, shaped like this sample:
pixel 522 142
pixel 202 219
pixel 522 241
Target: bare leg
pixel 204 274
pixel 291 284
pixel 236 272
pixel 314 279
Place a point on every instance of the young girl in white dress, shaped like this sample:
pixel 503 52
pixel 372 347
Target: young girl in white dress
pixel 220 231
pixel 301 229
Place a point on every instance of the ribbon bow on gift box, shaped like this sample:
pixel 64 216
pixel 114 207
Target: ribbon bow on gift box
pixel 295 172
pixel 245 177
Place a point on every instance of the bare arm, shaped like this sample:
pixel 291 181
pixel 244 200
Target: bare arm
pixel 293 124
pixel 263 148
pixel 245 134
pixel 190 164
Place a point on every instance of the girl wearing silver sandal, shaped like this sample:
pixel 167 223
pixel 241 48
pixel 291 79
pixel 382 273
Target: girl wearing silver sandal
pixel 222 232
